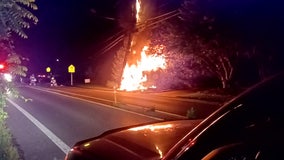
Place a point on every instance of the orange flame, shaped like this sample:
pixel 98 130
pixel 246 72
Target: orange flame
pixel 134 76
pixel 138 7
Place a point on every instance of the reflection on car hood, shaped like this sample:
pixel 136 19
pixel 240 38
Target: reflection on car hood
pixel 142 142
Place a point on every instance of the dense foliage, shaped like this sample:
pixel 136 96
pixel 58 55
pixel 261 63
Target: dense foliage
pixel 14 18
pixel 211 43
pixel 234 42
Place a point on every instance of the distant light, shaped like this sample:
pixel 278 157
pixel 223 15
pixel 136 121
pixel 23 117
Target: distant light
pixel 8 77
pixel 41 75
pixel 48 69
pixel 2 66
pixel 57 60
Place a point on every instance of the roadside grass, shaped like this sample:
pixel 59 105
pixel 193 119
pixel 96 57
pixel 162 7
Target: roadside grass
pixel 7 150
pixel 206 96
pixel 213 94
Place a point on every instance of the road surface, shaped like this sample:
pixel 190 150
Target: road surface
pixel 165 106
pixel 48 124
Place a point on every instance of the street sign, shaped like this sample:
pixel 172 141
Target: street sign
pixel 48 69
pixel 71 69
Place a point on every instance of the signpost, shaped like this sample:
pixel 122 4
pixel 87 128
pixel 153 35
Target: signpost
pixel 71 70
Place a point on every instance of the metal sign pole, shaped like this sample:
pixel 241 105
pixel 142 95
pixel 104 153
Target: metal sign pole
pixel 71 79
pixel 71 70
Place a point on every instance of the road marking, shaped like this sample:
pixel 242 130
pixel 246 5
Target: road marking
pixel 65 148
pixel 97 103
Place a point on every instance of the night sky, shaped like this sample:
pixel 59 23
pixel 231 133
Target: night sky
pixel 73 31
pixel 68 30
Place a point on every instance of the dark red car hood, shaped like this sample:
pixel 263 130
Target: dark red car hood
pixel 143 142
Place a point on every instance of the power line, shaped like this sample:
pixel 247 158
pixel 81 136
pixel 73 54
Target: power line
pixel 111 45
pixel 147 24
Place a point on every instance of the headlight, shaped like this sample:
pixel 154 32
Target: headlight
pixel 8 77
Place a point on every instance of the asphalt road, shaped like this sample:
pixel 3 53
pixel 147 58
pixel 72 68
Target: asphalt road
pixel 151 103
pixel 48 124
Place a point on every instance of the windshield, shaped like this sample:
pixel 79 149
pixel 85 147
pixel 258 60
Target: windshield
pixel 72 70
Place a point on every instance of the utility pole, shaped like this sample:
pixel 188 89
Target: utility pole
pixel 133 28
pixel 127 51
pixel 129 34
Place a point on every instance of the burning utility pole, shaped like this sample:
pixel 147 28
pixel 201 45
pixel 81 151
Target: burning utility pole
pixel 138 61
pixel 131 28
pixel 127 51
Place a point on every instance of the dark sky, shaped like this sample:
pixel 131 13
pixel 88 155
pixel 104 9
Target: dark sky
pixel 72 31
pixel 68 30
pixel 75 30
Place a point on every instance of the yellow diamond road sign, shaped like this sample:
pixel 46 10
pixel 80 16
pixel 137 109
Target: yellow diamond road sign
pixel 71 69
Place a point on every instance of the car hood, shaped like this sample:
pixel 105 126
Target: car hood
pixel 142 142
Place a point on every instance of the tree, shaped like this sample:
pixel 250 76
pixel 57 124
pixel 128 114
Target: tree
pixel 167 39
pixel 242 32
pixel 206 41
pixel 117 67
pixel 14 17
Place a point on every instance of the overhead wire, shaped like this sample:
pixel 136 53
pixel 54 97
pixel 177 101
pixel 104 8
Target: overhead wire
pixel 147 24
